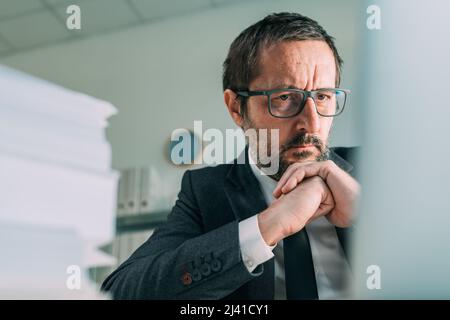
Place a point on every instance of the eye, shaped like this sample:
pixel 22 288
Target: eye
pixel 322 97
pixel 284 97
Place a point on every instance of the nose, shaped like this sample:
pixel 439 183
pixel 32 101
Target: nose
pixel 308 120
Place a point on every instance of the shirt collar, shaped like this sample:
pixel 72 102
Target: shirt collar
pixel 267 183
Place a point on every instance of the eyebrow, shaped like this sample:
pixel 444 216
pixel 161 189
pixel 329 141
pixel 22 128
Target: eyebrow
pixel 286 86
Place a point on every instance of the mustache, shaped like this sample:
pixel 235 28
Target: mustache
pixel 302 139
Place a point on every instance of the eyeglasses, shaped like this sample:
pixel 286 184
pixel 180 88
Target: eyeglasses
pixel 287 103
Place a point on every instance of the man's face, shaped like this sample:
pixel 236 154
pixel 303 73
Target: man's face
pixel 306 65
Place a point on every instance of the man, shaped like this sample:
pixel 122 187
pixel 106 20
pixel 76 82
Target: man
pixel 236 233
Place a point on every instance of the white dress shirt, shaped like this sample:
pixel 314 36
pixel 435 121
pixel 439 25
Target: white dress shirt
pixel 331 267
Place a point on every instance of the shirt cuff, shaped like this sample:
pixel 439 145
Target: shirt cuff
pixel 254 249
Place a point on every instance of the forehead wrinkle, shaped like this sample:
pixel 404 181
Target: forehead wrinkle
pixel 301 75
pixel 305 76
pixel 311 75
pixel 292 68
pixel 308 76
pixel 288 77
pixel 315 77
pixel 320 78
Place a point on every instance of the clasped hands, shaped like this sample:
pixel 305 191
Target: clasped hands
pixel 305 192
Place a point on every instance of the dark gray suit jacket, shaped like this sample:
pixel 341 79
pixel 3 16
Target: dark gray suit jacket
pixel 196 253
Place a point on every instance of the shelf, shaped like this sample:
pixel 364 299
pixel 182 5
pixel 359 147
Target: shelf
pixel 141 221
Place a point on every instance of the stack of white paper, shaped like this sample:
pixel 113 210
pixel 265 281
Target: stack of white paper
pixel 57 188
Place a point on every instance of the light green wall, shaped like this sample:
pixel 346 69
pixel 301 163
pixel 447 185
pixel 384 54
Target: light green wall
pixel 165 75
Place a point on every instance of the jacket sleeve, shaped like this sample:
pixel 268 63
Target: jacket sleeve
pixel 181 261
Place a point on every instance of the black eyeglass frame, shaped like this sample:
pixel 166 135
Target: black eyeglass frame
pixel 306 94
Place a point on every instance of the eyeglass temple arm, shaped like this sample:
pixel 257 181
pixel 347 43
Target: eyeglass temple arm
pixel 251 93
pixel 266 93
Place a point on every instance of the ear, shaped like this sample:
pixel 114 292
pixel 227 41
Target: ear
pixel 234 106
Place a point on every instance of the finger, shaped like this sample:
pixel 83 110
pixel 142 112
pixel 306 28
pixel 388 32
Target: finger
pixel 293 181
pixel 277 193
pixel 297 165
pixel 292 168
pixel 302 170
pixel 289 185
pixel 287 174
pixel 279 188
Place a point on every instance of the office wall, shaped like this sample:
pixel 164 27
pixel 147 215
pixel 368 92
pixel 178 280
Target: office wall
pixel 165 75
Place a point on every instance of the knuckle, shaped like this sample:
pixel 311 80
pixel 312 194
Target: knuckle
pixel 317 179
pixel 295 165
pixel 329 166
pixel 330 163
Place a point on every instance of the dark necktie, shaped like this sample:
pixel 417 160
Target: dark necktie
pixel 299 267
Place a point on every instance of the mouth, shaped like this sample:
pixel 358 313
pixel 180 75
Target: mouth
pixel 303 147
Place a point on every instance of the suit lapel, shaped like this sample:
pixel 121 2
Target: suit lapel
pixel 343 234
pixel 243 191
pixel 246 199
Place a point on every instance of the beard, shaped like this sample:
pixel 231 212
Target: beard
pixel 322 152
pixel 286 158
